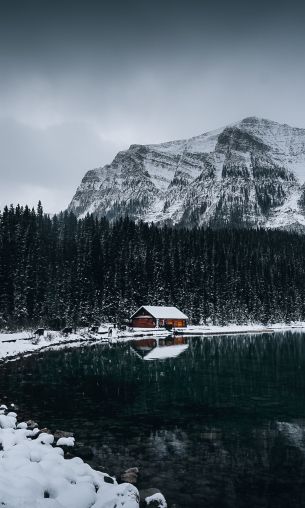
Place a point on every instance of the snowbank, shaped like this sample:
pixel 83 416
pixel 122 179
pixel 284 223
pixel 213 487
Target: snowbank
pixel 14 344
pixel 204 330
pixel 34 473
pixel 240 329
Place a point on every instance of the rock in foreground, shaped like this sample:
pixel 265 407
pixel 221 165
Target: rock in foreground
pixel 35 474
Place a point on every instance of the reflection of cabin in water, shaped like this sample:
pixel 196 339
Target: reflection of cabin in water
pixel 160 348
pixel 149 316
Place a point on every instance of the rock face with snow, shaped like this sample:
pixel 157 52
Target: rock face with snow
pixel 251 173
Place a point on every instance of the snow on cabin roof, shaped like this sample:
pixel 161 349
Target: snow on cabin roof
pixel 163 312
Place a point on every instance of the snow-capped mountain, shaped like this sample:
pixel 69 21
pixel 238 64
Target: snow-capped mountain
pixel 249 173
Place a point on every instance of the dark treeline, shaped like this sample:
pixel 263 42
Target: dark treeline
pixel 63 271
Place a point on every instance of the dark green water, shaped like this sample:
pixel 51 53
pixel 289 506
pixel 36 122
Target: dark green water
pixel 220 426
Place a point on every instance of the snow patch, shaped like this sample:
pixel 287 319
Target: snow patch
pixel 65 441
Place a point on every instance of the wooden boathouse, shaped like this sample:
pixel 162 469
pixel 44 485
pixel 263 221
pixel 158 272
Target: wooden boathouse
pixel 149 316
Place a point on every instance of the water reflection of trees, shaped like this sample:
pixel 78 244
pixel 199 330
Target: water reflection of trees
pixel 215 374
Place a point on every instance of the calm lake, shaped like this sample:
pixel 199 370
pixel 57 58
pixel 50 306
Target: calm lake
pixel 216 422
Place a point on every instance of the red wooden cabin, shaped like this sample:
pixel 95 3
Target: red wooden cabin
pixel 149 316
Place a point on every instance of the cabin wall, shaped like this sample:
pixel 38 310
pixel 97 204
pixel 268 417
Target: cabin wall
pixel 150 322
pixel 143 322
pixel 175 323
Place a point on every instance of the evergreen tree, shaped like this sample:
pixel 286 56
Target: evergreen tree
pixel 60 271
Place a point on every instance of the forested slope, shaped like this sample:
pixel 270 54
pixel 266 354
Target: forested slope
pixel 60 270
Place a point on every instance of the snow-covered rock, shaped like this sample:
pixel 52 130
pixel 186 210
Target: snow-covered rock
pixel 22 425
pixel 7 422
pixel 250 173
pixel 34 473
pixel 65 441
pixel 156 500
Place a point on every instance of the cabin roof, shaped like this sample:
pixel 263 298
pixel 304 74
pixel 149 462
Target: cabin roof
pixel 160 312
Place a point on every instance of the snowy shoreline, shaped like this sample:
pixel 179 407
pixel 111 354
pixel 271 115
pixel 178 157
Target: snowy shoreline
pixel 19 344
pixel 205 331
pixel 35 473
pixel 240 329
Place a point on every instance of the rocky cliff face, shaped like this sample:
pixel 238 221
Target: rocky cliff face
pixel 251 173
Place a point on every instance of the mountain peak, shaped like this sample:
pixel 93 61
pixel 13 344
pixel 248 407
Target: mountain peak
pixel 256 120
pixel 249 173
pixel 266 123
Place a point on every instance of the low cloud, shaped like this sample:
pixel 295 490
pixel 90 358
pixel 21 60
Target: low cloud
pixel 47 164
pixel 79 84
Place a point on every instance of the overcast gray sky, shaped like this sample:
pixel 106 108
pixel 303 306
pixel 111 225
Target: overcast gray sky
pixel 80 80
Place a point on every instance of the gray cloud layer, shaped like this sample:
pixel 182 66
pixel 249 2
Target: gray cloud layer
pixel 81 80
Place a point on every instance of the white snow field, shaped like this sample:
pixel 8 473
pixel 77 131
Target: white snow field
pixel 35 474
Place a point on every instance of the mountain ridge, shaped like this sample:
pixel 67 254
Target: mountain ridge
pixel 249 173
